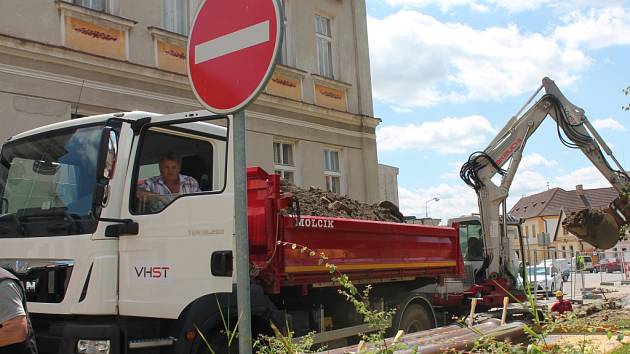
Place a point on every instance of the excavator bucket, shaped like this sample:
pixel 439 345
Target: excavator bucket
pixel 600 228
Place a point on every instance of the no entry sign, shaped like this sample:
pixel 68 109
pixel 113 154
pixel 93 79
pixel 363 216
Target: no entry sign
pixel 232 50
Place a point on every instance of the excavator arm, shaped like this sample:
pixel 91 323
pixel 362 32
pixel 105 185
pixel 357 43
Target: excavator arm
pixel 503 156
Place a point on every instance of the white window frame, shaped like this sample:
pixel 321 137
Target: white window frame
pixel 283 58
pixel 325 66
pixel 89 4
pixel 282 167
pixel 332 174
pixel 178 21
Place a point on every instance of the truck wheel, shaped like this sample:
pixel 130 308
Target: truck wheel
pixel 219 343
pixel 415 319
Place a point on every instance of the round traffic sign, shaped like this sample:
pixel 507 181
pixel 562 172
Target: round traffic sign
pixel 232 50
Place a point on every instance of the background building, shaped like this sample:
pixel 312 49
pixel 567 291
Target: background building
pixel 314 123
pixel 388 183
pixel 544 212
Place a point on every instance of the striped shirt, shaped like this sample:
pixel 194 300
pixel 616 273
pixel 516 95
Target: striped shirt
pixel 156 185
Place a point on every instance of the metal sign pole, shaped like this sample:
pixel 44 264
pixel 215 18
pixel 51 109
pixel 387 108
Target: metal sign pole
pixel 242 240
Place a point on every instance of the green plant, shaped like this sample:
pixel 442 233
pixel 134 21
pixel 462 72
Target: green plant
pixel 230 332
pixel 281 343
pixel 377 320
pixel 491 345
pixel 623 349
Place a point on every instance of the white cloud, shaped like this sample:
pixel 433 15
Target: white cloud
pixel 520 5
pixel 512 6
pixel 455 167
pixel 608 123
pixel 597 28
pixel 448 135
pixel 419 61
pixel 528 182
pixel 455 200
pixel 589 177
pixel 535 159
pixel 444 5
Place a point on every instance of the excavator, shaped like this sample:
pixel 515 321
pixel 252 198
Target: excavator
pixel 500 161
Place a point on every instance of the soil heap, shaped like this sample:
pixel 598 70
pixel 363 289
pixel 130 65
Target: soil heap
pixel 317 202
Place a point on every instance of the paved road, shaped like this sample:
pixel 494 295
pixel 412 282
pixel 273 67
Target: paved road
pixel 609 281
pixel 574 285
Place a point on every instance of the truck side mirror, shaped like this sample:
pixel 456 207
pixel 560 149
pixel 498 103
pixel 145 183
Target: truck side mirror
pixel 108 154
pixel 106 166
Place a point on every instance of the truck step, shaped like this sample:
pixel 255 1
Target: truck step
pixel 151 343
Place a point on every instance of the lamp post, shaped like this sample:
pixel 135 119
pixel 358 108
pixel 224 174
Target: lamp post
pixel 426 205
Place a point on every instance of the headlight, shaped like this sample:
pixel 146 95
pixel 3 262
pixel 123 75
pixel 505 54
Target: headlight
pixel 92 346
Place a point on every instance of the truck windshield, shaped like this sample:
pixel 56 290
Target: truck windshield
pixel 47 183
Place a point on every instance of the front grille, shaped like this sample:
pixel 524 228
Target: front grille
pixel 47 285
pixel 44 281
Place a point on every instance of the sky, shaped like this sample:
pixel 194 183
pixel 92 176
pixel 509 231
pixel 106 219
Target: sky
pixel 448 74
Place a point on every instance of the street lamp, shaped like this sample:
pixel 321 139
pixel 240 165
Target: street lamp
pixel 426 205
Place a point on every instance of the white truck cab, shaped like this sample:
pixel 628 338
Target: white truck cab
pixel 69 203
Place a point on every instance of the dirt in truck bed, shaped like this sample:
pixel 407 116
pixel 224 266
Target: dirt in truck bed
pixel 317 202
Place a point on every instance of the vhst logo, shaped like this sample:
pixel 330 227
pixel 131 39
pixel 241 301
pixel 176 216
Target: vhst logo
pixel 316 223
pixel 152 272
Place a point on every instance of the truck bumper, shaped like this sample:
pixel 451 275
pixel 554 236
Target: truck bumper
pixel 55 336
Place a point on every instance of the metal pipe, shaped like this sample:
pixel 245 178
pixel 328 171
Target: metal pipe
pixel 505 243
pixel 451 338
pixel 535 275
pixel 522 247
pixel 242 240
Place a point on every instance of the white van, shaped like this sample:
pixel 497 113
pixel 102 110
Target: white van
pixel 561 264
pixel 588 264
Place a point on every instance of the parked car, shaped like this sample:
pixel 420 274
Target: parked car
pixel 609 265
pixel 544 279
pixel 561 264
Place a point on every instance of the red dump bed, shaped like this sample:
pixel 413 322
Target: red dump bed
pixel 369 251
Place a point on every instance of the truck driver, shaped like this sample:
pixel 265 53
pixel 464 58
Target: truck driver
pixel 168 184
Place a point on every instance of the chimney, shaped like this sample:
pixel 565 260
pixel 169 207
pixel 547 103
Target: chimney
pixel 579 189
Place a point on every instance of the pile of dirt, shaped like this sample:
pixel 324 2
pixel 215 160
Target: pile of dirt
pixel 317 202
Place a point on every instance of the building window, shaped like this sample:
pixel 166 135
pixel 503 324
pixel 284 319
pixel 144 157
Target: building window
pixel 324 46
pixel 175 16
pixel 284 51
pixel 526 231
pixel 98 5
pixel 533 230
pixel 283 161
pixel 332 173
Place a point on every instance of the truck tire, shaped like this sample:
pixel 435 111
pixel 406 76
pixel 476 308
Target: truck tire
pixel 415 319
pixel 219 343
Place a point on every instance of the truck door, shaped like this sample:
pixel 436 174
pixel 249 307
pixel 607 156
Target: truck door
pixel 183 249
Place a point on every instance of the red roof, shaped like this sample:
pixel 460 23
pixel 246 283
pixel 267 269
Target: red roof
pixel 550 202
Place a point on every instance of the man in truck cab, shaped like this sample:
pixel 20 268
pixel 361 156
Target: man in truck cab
pixel 16 332
pixel 160 190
